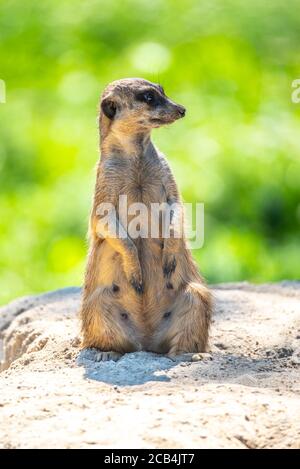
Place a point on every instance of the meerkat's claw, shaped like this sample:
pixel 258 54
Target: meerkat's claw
pixel 169 266
pixel 105 356
pixel 189 356
pixel 197 357
pixel 138 286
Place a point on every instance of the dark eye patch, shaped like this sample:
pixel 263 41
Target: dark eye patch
pixel 124 316
pixel 150 97
pixel 167 315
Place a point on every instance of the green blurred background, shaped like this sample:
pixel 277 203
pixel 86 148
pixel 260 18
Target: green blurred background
pixel 231 63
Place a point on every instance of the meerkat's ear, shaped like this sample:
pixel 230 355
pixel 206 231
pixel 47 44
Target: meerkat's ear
pixel 109 107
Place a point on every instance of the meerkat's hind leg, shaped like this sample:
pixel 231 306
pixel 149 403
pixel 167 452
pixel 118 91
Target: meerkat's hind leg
pixel 190 324
pixel 106 356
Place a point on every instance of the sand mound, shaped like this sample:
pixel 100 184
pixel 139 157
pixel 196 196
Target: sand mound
pixel 245 393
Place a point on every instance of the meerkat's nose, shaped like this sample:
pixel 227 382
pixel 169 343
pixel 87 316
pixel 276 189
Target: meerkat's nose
pixel 181 110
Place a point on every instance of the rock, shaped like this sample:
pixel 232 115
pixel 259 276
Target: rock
pixel 295 360
pixel 243 394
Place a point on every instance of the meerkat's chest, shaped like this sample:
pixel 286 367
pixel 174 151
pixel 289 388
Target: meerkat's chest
pixel 138 180
pixel 146 184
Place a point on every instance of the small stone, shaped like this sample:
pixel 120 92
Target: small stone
pixel 295 360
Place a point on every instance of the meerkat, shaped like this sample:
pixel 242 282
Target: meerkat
pixel 140 293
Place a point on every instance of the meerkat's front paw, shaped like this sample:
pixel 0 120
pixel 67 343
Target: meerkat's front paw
pixel 105 356
pixel 136 281
pixel 132 269
pixel 169 264
pixel 137 284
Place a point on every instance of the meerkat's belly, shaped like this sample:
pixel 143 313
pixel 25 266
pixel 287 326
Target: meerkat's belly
pixel 111 273
pixel 143 222
pixel 159 294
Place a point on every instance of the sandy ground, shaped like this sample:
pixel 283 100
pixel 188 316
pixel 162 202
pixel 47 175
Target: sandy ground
pixel 244 394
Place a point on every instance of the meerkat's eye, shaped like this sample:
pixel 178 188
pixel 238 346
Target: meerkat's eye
pixel 147 97
pixel 124 316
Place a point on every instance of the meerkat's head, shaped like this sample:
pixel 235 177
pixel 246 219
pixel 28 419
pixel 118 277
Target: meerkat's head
pixel 136 105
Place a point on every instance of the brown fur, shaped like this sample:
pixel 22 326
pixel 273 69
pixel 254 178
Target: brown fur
pixel 139 294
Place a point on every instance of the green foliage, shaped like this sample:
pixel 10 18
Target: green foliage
pixel 231 63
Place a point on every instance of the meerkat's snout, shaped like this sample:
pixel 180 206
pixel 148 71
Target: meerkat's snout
pixel 159 109
pixel 181 110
